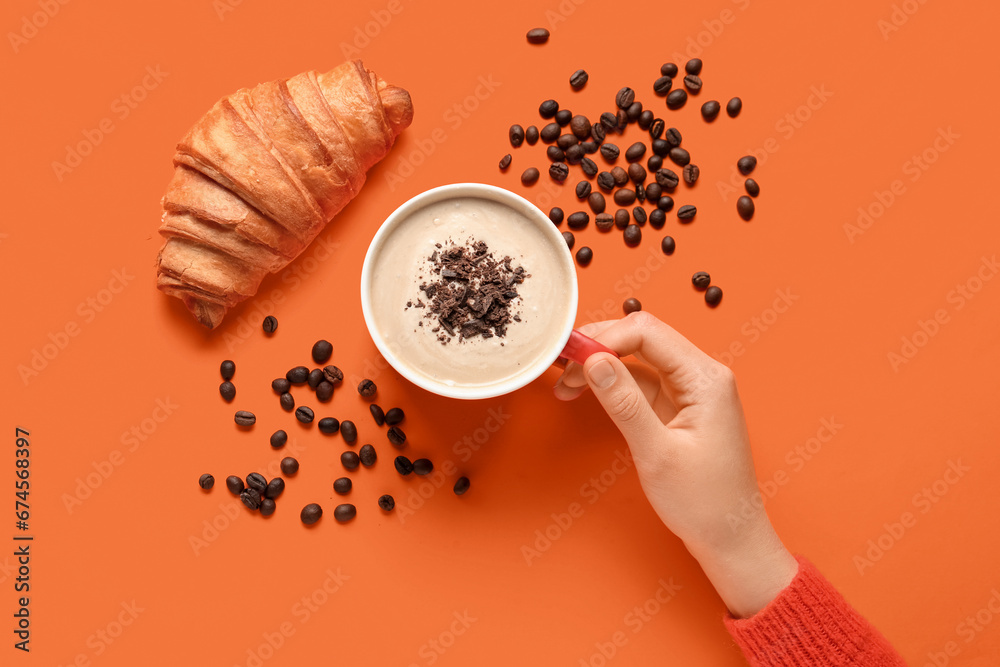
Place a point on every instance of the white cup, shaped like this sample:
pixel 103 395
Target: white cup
pixel 570 344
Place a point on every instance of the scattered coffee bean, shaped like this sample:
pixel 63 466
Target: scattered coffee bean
pixel 267 507
pixel 245 418
pixel 584 256
pixel 686 213
pixel 632 235
pixel 625 97
pixel 654 162
pixel 274 488
pixel 666 179
pixel 516 136
pixel 548 109
pixel 679 156
pixel 660 148
pixel 624 197
pixel 753 189
pixel 665 203
pixel 668 245
pixel 403 465
pixel 377 414
pixel 297 375
pixel 580 126
pixel 656 129
pixel 270 325
pixel 423 467
pixel 329 425
pixel 550 133
pixel 634 111
pixel 569 239
pixel 324 391
pixel 350 460
pixel 673 137
pixel 257 482
pixel 310 514
pixel 677 98
pixel 574 154
pixel 228 391
pixel 234 484
pixel 367 388
pixel 578 79
pixel 745 207
pixel 598 132
pixel 563 117
pixel 654 191
pixel 349 431
pixel 622 218
pixel 538 36
pixel 289 465
pixel 668 69
pixel 228 369
pixel 555 154
pixel 636 173
pixel 556 215
pixel 333 374
pixel 280 385
pixel 645 120
pixel 396 436
pixel 746 164
pixel 206 481
pixel 609 120
pixel 589 148
pixel 691 173
pixel 386 502
pixel 604 221
pixel 635 152
pixel 663 85
pixel 583 190
pixel 639 215
pixel 461 485
pixel 578 220
pixel 342 486
pixel 693 66
pixel 558 171
pixel 710 110
pixel 620 176
pixel 657 218
pixel 505 162
pixel 713 295
pixel 304 414
pixel 394 416
pixel 605 181
pixel 250 498
pixel 278 439
pixel 287 402
pixel 610 152
pixel 344 513
pixel 597 202
pixel 701 280
pixel 693 83
pixel 322 350
pixel 367 455
pixel 529 176
pixel 621 120
pixel 315 377
pixel 734 106
pixel 631 305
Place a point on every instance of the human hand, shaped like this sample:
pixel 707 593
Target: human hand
pixel 681 414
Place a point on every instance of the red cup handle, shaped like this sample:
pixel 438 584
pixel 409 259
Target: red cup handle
pixel 579 347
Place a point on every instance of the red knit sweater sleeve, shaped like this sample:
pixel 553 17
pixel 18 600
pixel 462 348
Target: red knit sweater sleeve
pixel 810 623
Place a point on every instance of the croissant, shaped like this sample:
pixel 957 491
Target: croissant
pixel 262 173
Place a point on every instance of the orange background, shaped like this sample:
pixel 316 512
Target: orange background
pixel 129 541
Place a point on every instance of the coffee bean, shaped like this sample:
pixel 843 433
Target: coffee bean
pixel 423 467
pixel 289 465
pixel 563 117
pixel 244 418
pixel 605 181
pixel 639 215
pixel 679 156
pixel 622 218
pixel 578 220
pixel 556 215
pixel 686 213
pixel 297 375
pixel 598 132
pixel 386 502
pixel 548 109
pixel 367 455
pixel 257 482
pixel 654 191
pixel 310 514
pixel 228 391
pixel 321 351
pixel 584 256
pixel 234 484
pixel 589 167
pixel 206 481
pixel 274 488
pixel 324 391
pixel 710 110
pixel 665 203
pixel 693 66
pixel 673 137
pixel 631 305
pixel 753 189
pixel 666 179
pixel 745 207
pixel 228 369
pixel 394 416
pixel 396 436
pixel 315 377
pixel 531 135
pixel 270 325
pixel 677 98
pixel 278 439
pixel 578 79
pixel 367 388
pixel 668 69
pixel 635 152
pixel 589 147
pixel 636 173
pixel 645 120
pixel 657 218
pixel 555 154
pixel 604 221
pixel 550 133
pixel 734 106
pixel 538 36
pixel 610 152
pixel 377 414
pixel 505 162
pixel 693 83
pixel 654 162
pixel 349 431
pixel 662 85
pixel 583 190
pixel 624 197
pixel 701 280
pixel 403 465
pixel 558 171
pixel 250 498
pixel 329 425
pixel 609 120
pixel 580 126
pixel 461 485
pixel 656 129
pixel 713 295
pixel 304 414
pixel 267 507
pixel 632 235
pixel 625 97
pixel 344 513
pixel 667 245
pixel 691 173
pixel 529 176
pixel 342 486
pixel 620 176
pixel 280 385
pixel 634 111
pixel 569 239
pixel 333 374
pixel 746 164
pixel 287 402
pixel 574 154
pixel 660 148
pixel 597 202
pixel 621 120
pixel 350 460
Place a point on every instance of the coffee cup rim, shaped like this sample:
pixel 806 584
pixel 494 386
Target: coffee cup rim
pixel 522 206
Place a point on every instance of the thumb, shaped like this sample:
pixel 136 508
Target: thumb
pixel 623 400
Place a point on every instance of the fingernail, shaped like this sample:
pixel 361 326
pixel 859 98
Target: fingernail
pixel 602 374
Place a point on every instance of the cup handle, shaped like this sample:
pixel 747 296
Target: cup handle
pixel 579 347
